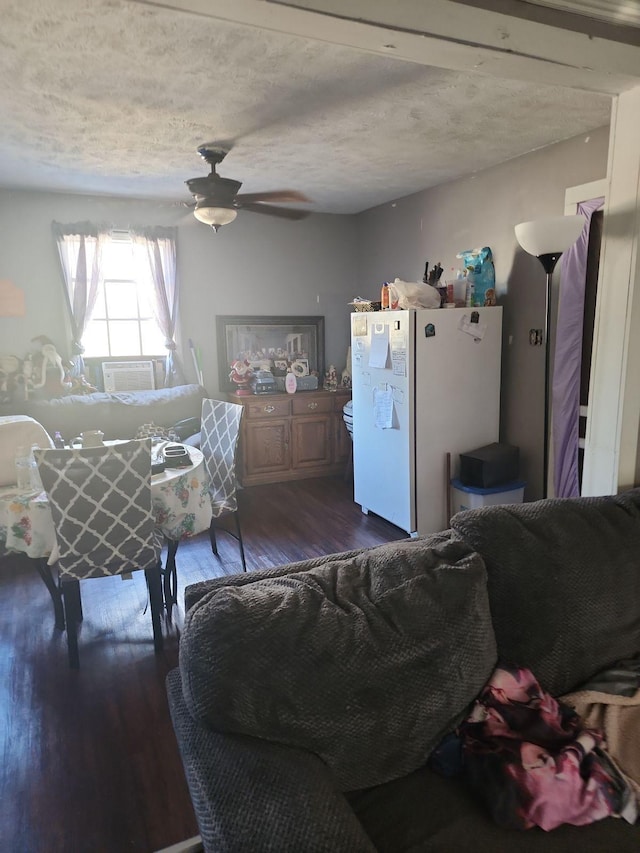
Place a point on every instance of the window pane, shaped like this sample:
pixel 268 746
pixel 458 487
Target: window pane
pixel 122 300
pixel 125 338
pixel 99 312
pixel 152 339
pixel 95 339
pixel 118 259
pixel 144 297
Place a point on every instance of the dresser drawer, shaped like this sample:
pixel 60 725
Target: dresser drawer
pixel 311 405
pixel 267 408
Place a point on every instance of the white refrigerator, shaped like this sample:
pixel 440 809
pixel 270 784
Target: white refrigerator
pixel 425 383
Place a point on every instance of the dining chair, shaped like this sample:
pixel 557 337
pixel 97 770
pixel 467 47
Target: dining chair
pixel 100 501
pixel 219 434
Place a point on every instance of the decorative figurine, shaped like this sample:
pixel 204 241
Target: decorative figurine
pixel 241 373
pixel 331 379
pixel 345 379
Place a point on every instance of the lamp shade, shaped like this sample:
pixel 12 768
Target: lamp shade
pixel 212 215
pixel 550 235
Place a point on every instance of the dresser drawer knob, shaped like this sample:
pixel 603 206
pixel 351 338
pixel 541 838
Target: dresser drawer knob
pixel 312 405
pixel 269 409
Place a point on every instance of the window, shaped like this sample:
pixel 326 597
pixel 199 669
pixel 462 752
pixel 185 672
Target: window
pixel 122 322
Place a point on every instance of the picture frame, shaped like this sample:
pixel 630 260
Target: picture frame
pixel 300 367
pixel 263 338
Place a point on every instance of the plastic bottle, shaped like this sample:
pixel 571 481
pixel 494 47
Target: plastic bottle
pixel 384 296
pixel 470 289
pixel 58 440
pixel 27 476
pixel 23 469
pixel 36 482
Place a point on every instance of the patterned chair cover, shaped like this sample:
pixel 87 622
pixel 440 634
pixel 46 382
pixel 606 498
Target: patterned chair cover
pixel 219 433
pixel 100 500
pixel 218 441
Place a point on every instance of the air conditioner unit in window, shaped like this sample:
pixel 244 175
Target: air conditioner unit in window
pixel 128 376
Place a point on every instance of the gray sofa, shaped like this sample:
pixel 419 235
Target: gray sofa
pixel 308 698
pixel 118 415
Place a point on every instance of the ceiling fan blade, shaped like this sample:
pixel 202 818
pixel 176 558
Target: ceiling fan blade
pixel 275 195
pixel 284 212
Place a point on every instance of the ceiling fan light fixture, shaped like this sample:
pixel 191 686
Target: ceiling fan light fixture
pixel 214 215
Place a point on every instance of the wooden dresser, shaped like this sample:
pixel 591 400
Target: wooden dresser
pixel 292 436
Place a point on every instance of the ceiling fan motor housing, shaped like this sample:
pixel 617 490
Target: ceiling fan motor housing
pixel 217 199
pixel 221 190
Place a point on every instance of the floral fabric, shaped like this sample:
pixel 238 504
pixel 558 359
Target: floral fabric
pixel 532 761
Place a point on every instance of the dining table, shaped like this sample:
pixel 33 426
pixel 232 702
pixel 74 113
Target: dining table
pixel 181 506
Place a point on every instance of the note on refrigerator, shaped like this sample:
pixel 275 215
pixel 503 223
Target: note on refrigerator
pixel 379 345
pixel 471 326
pixel 399 361
pixel 383 407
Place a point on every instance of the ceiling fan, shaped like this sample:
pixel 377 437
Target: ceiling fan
pixel 217 200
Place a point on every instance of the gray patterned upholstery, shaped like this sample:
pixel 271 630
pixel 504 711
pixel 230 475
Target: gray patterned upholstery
pixel 218 441
pixel 219 433
pixel 152 430
pixel 100 500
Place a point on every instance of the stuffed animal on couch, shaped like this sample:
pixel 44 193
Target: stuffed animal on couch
pixel 44 371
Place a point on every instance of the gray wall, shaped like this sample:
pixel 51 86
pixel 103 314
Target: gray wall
pixel 255 265
pixel 481 210
pixel 262 265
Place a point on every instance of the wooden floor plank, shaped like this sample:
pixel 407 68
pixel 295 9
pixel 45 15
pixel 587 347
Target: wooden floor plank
pixel 89 760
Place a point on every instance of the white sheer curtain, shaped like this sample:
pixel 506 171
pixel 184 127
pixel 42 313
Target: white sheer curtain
pixel 155 250
pixel 80 248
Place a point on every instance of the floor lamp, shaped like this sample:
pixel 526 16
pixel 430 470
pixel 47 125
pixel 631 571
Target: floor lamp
pixel 547 239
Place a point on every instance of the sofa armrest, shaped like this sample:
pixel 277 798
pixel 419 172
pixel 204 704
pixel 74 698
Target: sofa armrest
pixel 250 794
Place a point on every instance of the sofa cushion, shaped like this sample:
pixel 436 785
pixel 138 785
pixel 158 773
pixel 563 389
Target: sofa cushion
pixel 564 582
pixel 428 813
pixel 365 660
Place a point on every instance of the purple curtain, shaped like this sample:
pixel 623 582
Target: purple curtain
pixel 568 359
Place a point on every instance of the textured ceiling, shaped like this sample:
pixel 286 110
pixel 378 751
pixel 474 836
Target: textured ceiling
pixel 113 97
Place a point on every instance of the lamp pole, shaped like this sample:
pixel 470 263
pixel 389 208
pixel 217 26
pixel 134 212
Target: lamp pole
pixel 546 239
pixel 549 262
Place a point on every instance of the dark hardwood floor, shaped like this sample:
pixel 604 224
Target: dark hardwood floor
pixel 89 759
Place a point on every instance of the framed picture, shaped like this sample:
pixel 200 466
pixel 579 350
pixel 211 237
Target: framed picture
pixel 300 367
pixel 276 340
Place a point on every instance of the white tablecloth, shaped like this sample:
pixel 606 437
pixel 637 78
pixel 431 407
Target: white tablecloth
pixel 180 501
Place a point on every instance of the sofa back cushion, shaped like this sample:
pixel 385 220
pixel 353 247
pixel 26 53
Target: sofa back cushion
pixel 119 414
pixel 564 582
pixel 366 660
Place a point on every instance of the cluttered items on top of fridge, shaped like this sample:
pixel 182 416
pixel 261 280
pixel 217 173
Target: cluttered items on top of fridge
pixel 471 286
